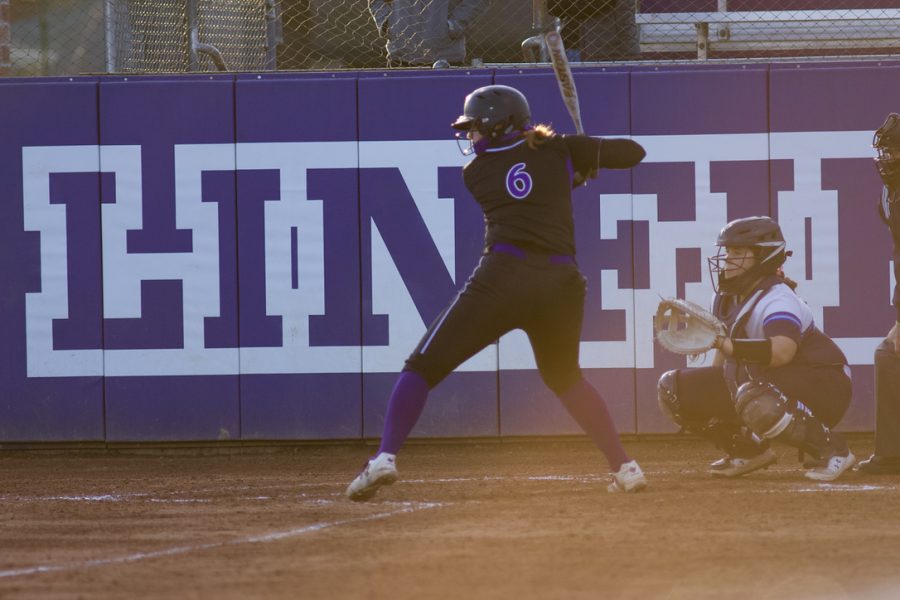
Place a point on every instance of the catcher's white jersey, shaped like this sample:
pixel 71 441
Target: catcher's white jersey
pixel 780 302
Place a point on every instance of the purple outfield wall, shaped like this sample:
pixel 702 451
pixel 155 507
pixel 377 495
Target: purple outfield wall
pixel 252 257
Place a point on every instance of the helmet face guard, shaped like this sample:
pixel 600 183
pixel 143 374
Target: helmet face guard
pixel 465 144
pixel 886 142
pixel 767 261
pixel 763 237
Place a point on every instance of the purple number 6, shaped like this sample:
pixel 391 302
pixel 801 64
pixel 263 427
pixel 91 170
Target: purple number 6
pixel 518 181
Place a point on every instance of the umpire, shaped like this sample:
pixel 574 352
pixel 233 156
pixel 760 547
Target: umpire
pixel 886 459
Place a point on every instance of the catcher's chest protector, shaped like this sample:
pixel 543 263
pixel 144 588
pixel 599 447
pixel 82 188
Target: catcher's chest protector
pixel 735 315
pixel 737 372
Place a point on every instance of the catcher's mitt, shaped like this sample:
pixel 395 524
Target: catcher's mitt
pixel 686 328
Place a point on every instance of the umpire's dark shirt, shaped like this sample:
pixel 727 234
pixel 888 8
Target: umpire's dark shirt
pixel 893 220
pixel 526 194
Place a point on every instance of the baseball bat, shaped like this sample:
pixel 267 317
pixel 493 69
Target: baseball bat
pixel 557 51
pixel 564 77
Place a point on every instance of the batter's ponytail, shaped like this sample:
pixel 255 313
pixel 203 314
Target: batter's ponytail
pixel 537 135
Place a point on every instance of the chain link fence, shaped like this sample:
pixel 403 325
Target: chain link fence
pixel 68 37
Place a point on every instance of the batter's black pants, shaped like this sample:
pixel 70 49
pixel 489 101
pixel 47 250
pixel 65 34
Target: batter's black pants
pixel 506 292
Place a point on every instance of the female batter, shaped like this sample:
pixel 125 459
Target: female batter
pixel 522 176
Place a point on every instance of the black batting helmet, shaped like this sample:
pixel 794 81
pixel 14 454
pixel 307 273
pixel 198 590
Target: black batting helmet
pixel 494 111
pixel 763 236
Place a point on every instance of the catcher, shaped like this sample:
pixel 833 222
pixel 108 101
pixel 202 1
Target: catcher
pixel 775 375
pixel 886 460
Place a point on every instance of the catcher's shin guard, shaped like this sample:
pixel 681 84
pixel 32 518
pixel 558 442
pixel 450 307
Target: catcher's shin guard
pixel 667 396
pixel 727 436
pixel 772 415
pixel 887 400
pixel 734 440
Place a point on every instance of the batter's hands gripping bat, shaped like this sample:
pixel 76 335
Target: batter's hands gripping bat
pixel 557 51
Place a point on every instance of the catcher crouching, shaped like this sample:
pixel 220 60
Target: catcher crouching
pixel 775 375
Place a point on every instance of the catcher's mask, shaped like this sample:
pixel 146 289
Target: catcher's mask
pixel 494 111
pixel 763 236
pixel 887 145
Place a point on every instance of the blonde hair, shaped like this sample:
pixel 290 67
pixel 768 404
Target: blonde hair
pixel 538 135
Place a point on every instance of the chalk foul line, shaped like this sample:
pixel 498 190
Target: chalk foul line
pixel 406 507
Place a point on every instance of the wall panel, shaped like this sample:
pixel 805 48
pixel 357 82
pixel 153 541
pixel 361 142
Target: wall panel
pixel 253 257
pixel 52 364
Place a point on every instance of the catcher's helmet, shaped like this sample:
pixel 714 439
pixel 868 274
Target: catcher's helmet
pixel 494 111
pixel 763 236
pixel 887 144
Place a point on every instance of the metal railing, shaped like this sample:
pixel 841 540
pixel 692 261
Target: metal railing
pixel 67 37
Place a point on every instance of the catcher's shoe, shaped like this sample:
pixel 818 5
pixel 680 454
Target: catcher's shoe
pixel 832 467
pixel 731 466
pixel 630 478
pixel 878 465
pixel 379 471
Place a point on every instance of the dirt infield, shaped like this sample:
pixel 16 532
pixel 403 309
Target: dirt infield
pixel 476 520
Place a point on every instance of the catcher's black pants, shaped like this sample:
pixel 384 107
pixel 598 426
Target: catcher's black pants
pixel 825 390
pixel 537 293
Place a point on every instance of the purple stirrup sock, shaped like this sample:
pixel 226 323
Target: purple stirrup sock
pixel 404 408
pixel 588 408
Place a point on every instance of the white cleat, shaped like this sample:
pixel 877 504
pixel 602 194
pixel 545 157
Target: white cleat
pixel 729 466
pixel 832 468
pixel 630 478
pixel 381 470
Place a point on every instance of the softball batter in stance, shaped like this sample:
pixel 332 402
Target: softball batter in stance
pixel 886 460
pixel 776 376
pixel 527 278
